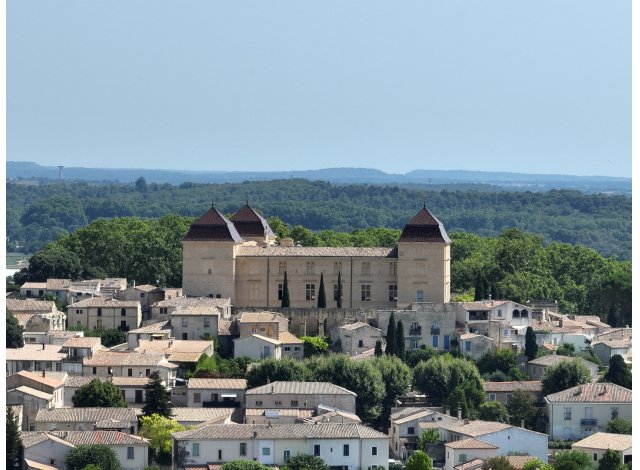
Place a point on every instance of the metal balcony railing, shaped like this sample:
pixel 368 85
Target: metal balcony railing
pixel 588 422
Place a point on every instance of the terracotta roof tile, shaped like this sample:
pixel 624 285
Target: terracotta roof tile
pixel 227 384
pixel 281 431
pixel 200 415
pixel 518 461
pixel 470 443
pixel 302 388
pixel 526 386
pixel 104 302
pixel 592 393
pixel 110 438
pixel 424 227
pixel 37 377
pixel 121 358
pixel 84 342
pixel 30 305
pixel 605 440
pixel 84 415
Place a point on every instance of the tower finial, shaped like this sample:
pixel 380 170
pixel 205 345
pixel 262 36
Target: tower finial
pixel 424 204
pixel 247 201
pixel 212 206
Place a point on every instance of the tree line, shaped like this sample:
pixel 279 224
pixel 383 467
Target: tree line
pixel 40 214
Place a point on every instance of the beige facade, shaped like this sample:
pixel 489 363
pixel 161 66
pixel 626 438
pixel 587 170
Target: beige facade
pixel 97 313
pixel 220 391
pixel 146 294
pixel 301 395
pixel 463 451
pixel 355 338
pixel 229 258
pixel 597 445
pixel 194 324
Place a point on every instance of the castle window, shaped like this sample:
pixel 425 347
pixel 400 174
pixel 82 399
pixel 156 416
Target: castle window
pixel 311 267
pixel 393 268
pixel 366 268
pixel 365 290
pixel 209 271
pixel 421 269
pixel 280 291
pixel 337 267
pixel 310 290
pixel 335 292
pixel 254 289
pixel 282 267
pixel 393 292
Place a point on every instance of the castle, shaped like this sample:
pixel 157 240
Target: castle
pixel 238 258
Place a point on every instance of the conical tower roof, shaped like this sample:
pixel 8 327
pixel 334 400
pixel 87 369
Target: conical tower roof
pixel 424 227
pixel 251 224
pixel 213 226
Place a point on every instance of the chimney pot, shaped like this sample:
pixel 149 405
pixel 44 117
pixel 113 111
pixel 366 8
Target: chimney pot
pixel 43 373
pixel 522 423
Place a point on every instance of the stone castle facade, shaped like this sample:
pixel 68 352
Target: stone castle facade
pixel 239 258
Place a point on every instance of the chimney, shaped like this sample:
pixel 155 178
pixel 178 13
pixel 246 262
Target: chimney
pixel 459 411
pixel 522 423
pixel 43 346
pixel 444 409
pixel 44 374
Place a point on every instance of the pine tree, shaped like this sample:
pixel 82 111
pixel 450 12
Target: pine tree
pixel 618 372
pixel 400 340
pixel 339 299
pixel 158 398
pixel 322 296
pixel 391 336
pixel 378 350
pixel 14 448
pixel 479 294
pixel 530 345
pixel 285 293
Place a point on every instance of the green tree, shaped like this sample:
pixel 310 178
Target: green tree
pixel 572 460
pixel 536 464
pixel 14 331
pixel 428 437
pixel 419 461
pixel 141 185
pixel 99 394
pixel 619 426
pixel 286 303
pixel 530 344
pixel 611 460
pixel 102 456
pixel 521 406
pixel 566 349
pixel 14 449
pixel 503 360
pixel 275 370
pixel 322 296
pixel 391 336
pixel 399 347
pixel 339 293
pixel 498 463
pixel 378 350
pixel 244 465
pixel 397 379
pixel 158 430
pixel 479 291
pixel 493 411
pixel 54 261
pixel 158 398
pixel 618 373
pixel 307 462
pixel 314 345
pixel 564 375
pixel 425 353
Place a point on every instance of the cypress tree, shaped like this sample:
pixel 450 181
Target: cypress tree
pixel 14 448
pixel 495 295
pixel 391 336
pixel 530 345
pixel 339 299
pixel 378 350
pixel 322 296
pixel 486 288
pixel 158 398
pixel 400 340
pixel 285 293
pixel 479 294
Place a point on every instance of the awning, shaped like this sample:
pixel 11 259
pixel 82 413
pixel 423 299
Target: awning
pixel 229 395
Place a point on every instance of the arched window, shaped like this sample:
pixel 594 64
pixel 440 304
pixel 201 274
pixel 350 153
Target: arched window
pixel 524 313
pixel 516 313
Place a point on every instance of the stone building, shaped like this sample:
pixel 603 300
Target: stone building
pixel 238 259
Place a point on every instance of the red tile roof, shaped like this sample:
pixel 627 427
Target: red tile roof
pixel 592 393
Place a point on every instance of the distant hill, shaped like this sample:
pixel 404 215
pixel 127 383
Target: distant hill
pixel 511 181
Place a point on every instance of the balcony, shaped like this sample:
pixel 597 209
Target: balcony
pixel 415 331
pixel 435 330
pixel 588 422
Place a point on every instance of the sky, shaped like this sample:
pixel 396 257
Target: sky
pixel 497 85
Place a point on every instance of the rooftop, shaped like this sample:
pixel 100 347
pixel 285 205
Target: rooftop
pixel 615 344
pixel 34 285
pixel 288 338
pixel 227 384
pixel 199 415
pixel 526 386
pixel 604 441
pixel 124 358
pixel 168 346
pixel 473 428
pixel 553 359
pixel 260 337
pixel 105 302
pixel 357 325
pixel 84 342
pixel 592 393
pixel 261 317
pixel 470 443
pixel 30 305
pixel 213 226
pixel 424 227
pixel 156 327
pixel 281 431
pixel 37 377
pixel 85 415
pixel 35 352
pixel 110 438
pixel 205 302
pixel 33 392
pixel 300 388
pixel 482 305
pixel 250 224
pixel 317 251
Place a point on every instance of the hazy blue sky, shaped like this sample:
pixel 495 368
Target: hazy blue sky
pixel 538 86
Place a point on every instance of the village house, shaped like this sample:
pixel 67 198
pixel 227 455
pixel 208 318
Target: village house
pixel 88 419
pixel 266 334
pixel 502 391
pixel 187 416
pixel 466 450
pixel 132 388
pixel 57 337
pixel 33 290
pixel 218 307
pixel 586 409
pixel 146 294
pixel 154 330
pixel 129 364
pixel 227 393
pixel 37 315
pixel 276 416
pixel 35 358
pixel 613 334
pixel 328 414
pixel 193 323
pixel 597 445
pixel 46 450
pixel 238 259
pixel 347 446
pixel 605 350
pixel 300 395
pixel 67 291
pixel 475 345
pixel 33 391
pixel 404 430
pixel 77 349
pixel 355 338
pixel 97 313
pixel 537 368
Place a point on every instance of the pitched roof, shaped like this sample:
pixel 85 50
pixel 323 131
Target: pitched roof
pixel 474 464
pixel 419 414
pixel 467 336
pixel 249 223
pixel 227 384
pixel 35 352
pixel 518 461
pixel 30 305
pixel 473 428
pixel 261 317
pixel 482 305
pixel 185 356
pixel 300 388
pixel 199 415
pixel 470 443
pixel 424 227
pixel 615 343
pixel 129 381
pixel 282 431
pixel 34 285
pixel 553 359
pixel 295 412
pixel 104 302
pixel 147 288
pixel 526 386
pixel 168 346
pixel 33 392
pixel 259 337
pixel 399 413
pixel 357 325
pixel 316 251
pixel 289 338
pixel 58 284
pixel 85 415
pixel 77 381
pixel 592 393
pixel 37 377
pixel 213 226
pixel 110 438
pixel 84 342
pixel 123 358
pixel 605 440
pixel 32 438
pixel 155 327
pixel 206 302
